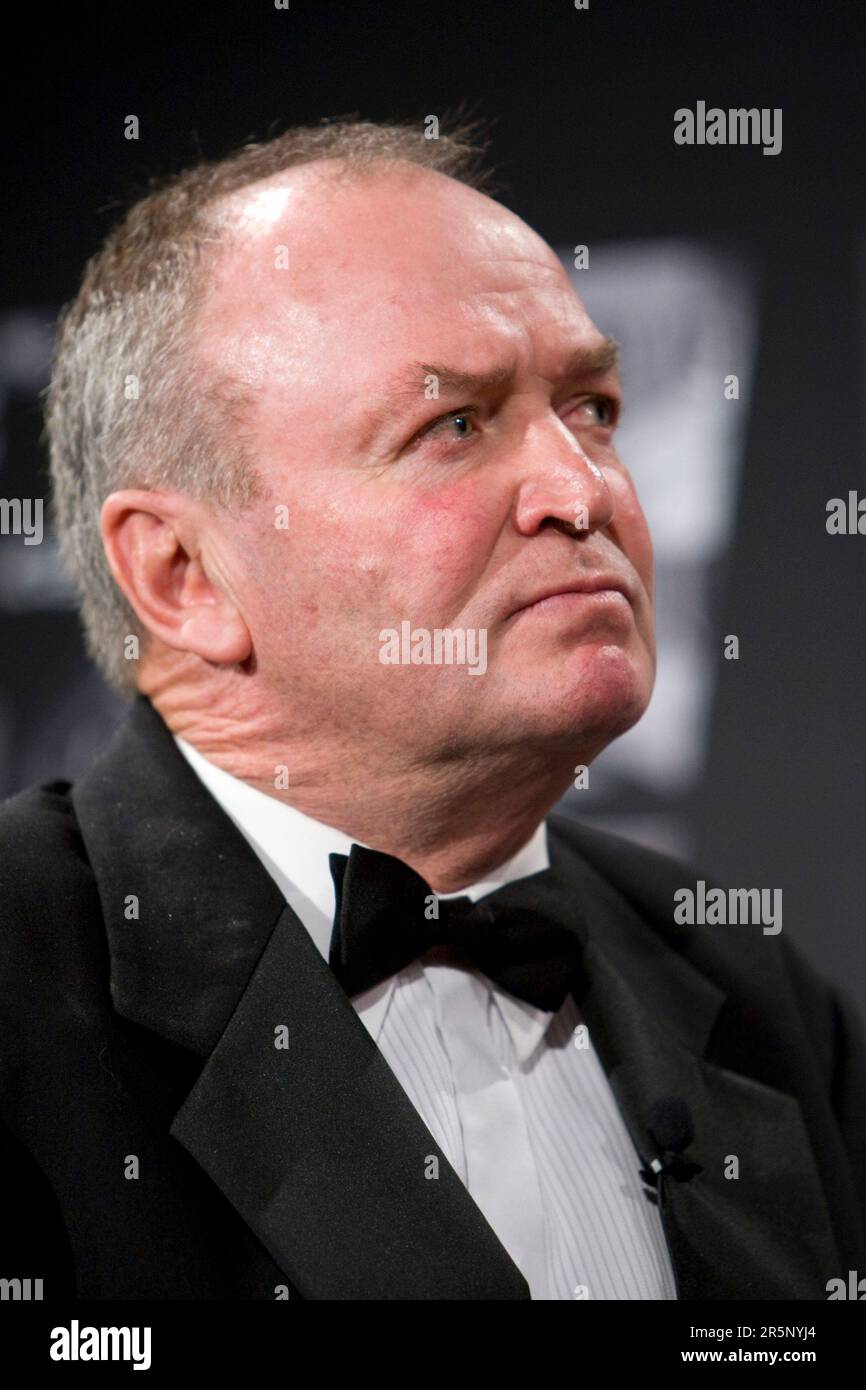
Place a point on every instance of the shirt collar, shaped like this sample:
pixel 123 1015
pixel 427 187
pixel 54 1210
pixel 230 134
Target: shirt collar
pixel 294 849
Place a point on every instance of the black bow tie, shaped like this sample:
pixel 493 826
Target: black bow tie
pixel 387 916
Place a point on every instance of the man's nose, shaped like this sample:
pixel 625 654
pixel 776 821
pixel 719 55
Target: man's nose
pixel 559 483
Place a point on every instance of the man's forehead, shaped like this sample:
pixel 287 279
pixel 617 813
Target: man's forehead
pixel 471 297
pixel 379 220
pixel 403 312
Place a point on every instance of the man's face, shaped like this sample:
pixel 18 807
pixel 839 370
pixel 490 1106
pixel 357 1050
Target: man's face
pixel 461 512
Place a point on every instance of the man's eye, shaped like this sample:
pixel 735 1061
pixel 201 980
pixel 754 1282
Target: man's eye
pixel 457 424
pixel 605 408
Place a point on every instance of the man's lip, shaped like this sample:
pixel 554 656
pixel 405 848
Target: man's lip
pixel 589 584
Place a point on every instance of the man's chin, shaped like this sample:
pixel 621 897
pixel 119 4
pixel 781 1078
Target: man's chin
pixel 593 701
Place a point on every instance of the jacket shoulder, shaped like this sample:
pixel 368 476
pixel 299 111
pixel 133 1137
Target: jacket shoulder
pixel 47 887
pixel 648 878
pixel 760 969
pixel 740 956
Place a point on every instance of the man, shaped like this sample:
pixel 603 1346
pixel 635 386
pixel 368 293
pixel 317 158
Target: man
pixel 305 992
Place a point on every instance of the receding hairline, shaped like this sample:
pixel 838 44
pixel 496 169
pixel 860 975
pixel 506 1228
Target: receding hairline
pixel 334 172
pixel 227 223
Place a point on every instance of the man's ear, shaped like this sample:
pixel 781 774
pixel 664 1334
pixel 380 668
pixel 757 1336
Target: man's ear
pixel 153 544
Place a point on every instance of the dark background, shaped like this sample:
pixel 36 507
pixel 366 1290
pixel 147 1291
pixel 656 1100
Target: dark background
pixel 583 145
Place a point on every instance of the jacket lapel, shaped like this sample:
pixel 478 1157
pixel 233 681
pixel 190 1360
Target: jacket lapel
pixel 315 1144
pixel 323 1154
pixel 652 1018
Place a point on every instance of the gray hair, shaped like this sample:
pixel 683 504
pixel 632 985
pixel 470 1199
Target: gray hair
pixel 129 404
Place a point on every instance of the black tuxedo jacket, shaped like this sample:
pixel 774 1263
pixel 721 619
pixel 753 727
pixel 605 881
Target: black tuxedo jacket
pixel 157 1144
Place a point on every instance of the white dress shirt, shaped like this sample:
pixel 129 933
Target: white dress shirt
pixel 524 1115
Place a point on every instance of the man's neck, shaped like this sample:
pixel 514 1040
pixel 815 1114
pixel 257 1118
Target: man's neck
pixel 452 819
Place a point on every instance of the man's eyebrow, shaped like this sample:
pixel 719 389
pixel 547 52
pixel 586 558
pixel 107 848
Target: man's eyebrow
pixel 410 385
pixel 601 357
